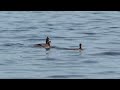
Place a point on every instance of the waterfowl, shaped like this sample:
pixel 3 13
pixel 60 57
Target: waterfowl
pixel 80 48
pixel 46 45
pixel 43 44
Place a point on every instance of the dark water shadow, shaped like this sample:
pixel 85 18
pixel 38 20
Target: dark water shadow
pixel 89 33
pixel 13 44
pixel 66 76
pixel 108 53
pixel 107 72
pixel 113 27
pixel 90 62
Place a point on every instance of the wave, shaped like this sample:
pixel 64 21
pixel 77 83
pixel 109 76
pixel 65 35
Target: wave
pixel 109 53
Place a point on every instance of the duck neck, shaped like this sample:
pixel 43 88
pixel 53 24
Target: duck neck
pixel 47 40
pixel 80 46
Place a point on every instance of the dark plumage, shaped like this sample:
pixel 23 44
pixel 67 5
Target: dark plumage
pixel 44 45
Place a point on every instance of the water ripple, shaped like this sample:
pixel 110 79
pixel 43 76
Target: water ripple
pixel 13 44
pixel 107 72
pixel 114 27
pixel 66 76
pixel 88 61
pixel 108 53
pixel 90 33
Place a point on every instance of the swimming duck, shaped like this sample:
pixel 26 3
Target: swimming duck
pixel 43 44
pixel 80 48
pixel 46 45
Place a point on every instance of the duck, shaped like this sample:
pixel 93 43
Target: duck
pixel 47 44
pixel 44 45
pixel 80 48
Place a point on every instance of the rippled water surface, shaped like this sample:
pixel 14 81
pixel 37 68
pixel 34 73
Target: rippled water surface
pixel 98 31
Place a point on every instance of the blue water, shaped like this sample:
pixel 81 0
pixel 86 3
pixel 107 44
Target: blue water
pixel 98 31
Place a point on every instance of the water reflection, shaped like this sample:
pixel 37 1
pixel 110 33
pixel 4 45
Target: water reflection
pixel 47 52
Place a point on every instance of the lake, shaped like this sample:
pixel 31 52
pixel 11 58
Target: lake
pixel 98 31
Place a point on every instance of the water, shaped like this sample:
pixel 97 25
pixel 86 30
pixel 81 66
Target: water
pixel 98 31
